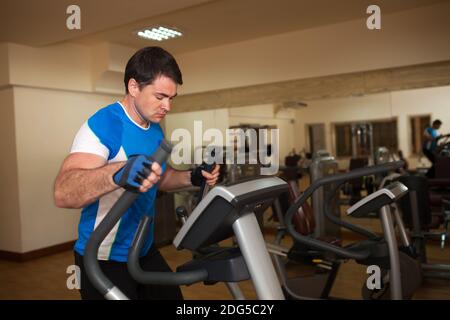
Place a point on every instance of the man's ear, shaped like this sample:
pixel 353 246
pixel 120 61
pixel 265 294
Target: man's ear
pixel 133 87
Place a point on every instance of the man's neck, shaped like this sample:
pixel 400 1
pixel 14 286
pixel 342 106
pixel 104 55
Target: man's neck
pixel 132 111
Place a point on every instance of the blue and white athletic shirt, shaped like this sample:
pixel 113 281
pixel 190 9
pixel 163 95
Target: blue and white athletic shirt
pixel 431 145
pixel 113 135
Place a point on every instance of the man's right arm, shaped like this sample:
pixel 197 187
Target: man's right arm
pixel 85 177
pixel 82 179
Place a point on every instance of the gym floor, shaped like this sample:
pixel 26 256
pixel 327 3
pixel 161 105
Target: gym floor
pixel 45 278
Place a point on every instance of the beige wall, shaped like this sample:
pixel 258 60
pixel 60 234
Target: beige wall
pixel 215 119
pixel 108 62
pixel 268 115
pixel 67 66
pixel 10 221
pixel 329 111
pixel 4 65
pixel 398 104
pixel 292 124
pixel 45 124
pixel 406 38
pixel 64 66
pixel 52 89
pixel 222 119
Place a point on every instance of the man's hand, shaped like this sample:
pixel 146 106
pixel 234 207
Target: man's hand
pixel 138 173
pixel 198 174
pixel 152 179
pixel 211 178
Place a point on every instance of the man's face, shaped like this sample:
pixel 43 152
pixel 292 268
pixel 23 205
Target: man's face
pixel 154 101
pixel 437 126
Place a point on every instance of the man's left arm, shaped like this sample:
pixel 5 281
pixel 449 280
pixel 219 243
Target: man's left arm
pixel 176 179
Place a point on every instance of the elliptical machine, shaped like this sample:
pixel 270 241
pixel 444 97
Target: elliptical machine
pixel 222 213
pixel 413 212
pixel 401 271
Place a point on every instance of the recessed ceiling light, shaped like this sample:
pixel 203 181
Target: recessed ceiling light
pixel 159 33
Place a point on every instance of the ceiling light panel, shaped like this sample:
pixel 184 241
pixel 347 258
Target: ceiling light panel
pixel 159 33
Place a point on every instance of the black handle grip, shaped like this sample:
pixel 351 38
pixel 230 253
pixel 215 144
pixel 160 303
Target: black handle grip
pixel 162 153
pixel 204 188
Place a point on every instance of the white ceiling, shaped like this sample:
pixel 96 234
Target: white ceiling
pixel 206 23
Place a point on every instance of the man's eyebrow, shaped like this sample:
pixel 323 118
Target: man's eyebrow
pixel 166 95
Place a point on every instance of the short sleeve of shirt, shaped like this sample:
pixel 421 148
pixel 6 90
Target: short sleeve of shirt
pixel 101 133
pixel 435 133
pixel 87 141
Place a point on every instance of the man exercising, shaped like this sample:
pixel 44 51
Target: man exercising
pixel 109 154
pixel 431 137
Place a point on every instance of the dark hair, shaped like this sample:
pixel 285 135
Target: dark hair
pixel 437 122
pixel 149 63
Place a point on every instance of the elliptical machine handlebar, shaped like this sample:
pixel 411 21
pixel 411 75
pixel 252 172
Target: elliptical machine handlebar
pixel 338 179
pixel 162 278
pixel 330 216
pixel 158 278
pixel 93 271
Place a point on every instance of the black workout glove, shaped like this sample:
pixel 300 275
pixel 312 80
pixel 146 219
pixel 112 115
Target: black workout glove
pixel 196 174
pixel 131 175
